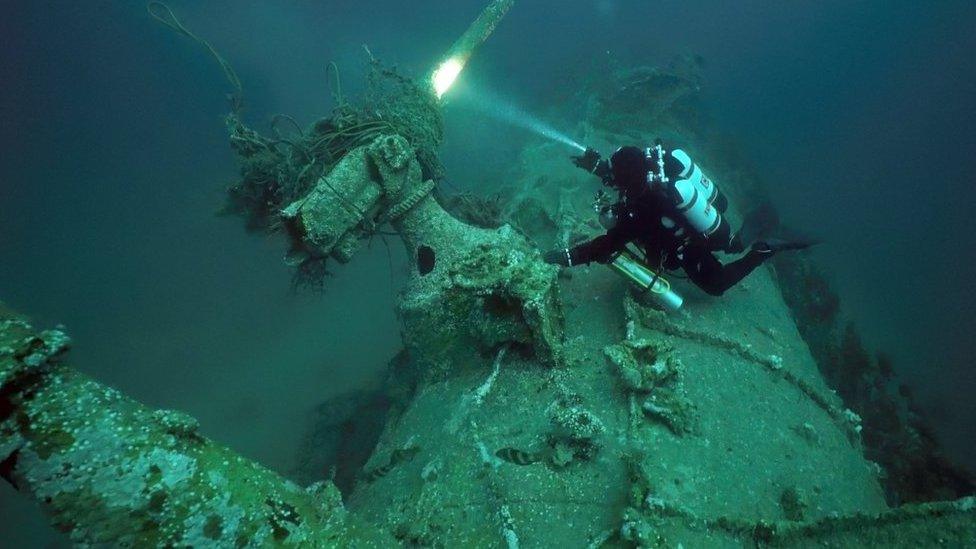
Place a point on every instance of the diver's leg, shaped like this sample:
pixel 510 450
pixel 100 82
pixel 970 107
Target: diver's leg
pixel 724 240
pixel 710 275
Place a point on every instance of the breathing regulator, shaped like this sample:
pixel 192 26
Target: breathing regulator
pixel 605 210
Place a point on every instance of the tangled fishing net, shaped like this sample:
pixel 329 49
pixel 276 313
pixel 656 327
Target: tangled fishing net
pixel 282 167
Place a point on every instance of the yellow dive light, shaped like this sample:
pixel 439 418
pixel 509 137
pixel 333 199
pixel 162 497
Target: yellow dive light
pixel 633 269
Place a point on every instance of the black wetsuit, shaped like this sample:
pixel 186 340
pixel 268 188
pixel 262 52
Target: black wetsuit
pixel 640 216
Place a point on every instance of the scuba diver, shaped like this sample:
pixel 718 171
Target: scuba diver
pixel 671 210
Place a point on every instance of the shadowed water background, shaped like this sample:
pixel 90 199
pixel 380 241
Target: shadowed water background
pixel 115 159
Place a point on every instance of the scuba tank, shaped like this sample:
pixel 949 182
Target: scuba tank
pixel 693 173
pixel 627 264
pixel 693 193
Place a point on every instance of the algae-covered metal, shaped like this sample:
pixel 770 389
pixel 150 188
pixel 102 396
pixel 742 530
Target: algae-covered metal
pixel 111 471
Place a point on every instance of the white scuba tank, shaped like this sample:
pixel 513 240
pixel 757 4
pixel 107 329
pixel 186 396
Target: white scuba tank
pixel 694 191
pixel 693 173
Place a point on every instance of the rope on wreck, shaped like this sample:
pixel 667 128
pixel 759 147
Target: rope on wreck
pixel 162 13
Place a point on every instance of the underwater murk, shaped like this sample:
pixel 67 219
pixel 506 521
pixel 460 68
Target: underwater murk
pixel 534 403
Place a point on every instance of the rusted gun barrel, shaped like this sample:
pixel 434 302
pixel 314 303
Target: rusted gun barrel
pixel 111 471
pixel 448 70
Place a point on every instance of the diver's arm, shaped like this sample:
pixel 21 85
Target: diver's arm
pixel 601 249
pixel 603 171
pixel 590 161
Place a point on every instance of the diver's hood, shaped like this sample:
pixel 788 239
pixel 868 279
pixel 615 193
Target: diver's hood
pixel 628 167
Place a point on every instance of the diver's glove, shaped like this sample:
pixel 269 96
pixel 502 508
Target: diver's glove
pixel 588 160
pixel 558 257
